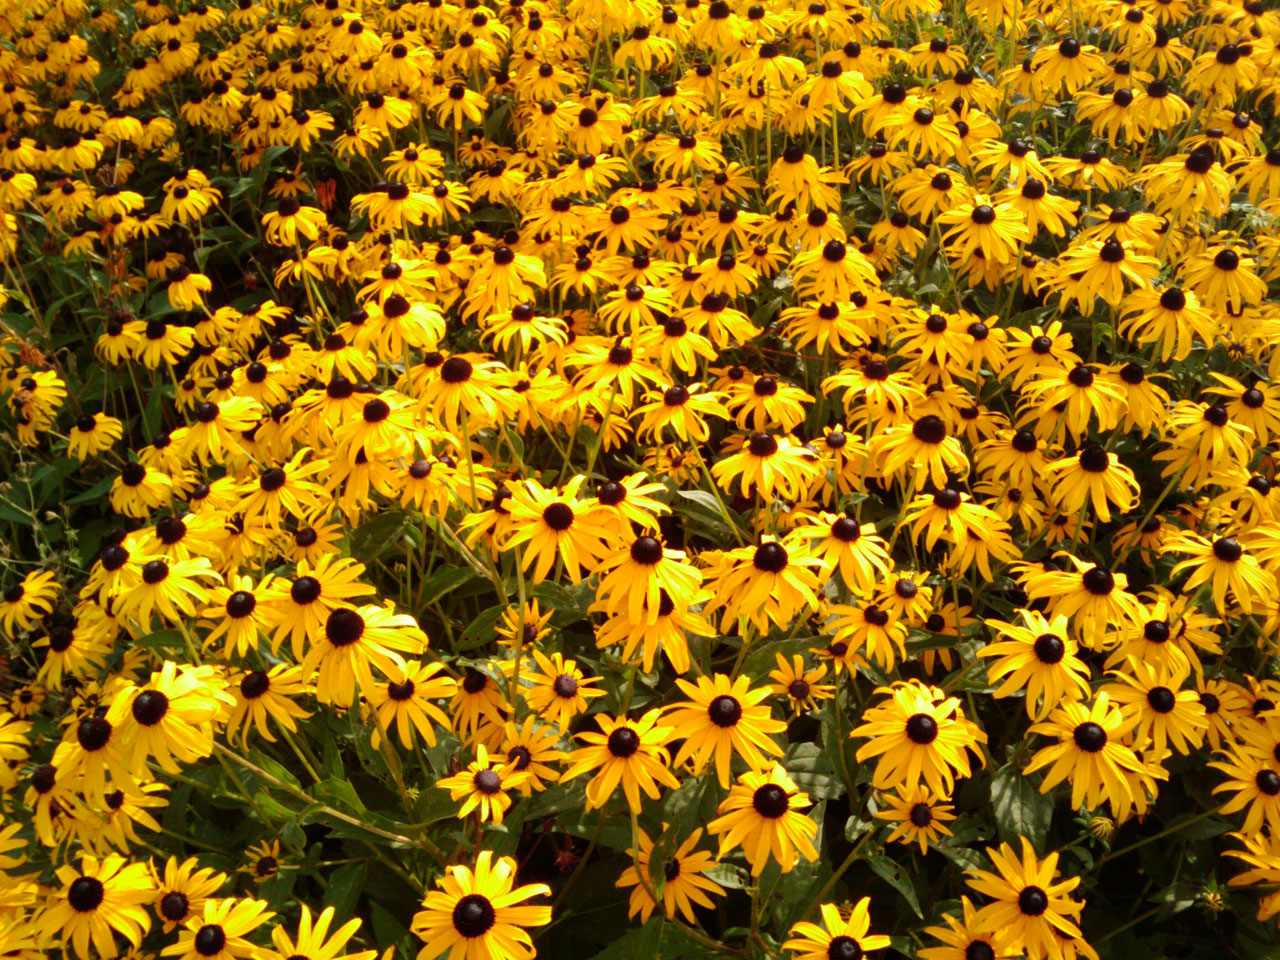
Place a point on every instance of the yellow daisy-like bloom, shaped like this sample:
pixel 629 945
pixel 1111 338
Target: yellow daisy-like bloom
pixel 220 932
pixel 836 937
pixel 352 641
pixel 722 719
pixel 626 752
pixel 1224 564
pixel 639 573
pixel 314 940
pixel 869 629
pixel 925 448
pixel 1092 753
pixel 262 696
pixel 483 787
pixel 23 603
pixel 852 548
pixel 98 900
pixel 1037 657
pixel 682 886
pixel 1256 786
pixel 768 465
pixel 181 890
pixel 262 861
pixel 91 435
pixel 1094 476
pixel 1030 909
pixel 962 939
pixel 172 717
pixel 560 690
pixel 801 687
pixel 170 588
pixel 554 526
pixel 405 704
pixel 768 583
pixel 762 815
pixel 920 816
pixel 1261 854
pixel 918 732
pixel 474 915
pixel 1165 714
pixel 1091 596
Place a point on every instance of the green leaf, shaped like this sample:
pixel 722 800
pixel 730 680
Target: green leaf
pixel 1020 809
pixel 389 931
pixel 569 603
pixel 153 416
pixel 338 793
pixel 96 492
pixel 261 760
pixel 162 640
pixel 811 769
pixel 480 630
pixel 640 942
pixel 446 579
pixel 855 827
pixel 344 888
pixel 897 877
pixel 703 499
pixel 371 540
pixel 962 857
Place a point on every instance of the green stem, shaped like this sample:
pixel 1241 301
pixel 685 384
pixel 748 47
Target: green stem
pixel 1167 831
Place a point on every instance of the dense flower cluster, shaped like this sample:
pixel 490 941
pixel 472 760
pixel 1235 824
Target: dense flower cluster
pixel 804 470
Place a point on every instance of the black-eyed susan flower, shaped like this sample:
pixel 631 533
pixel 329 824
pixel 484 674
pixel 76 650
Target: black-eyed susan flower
pixel 918 733
pixel 924 449
pixel 561 691
pixel 1261 854
pixel 723 719
pixel 480 912
pixel 405 705
pixel 684 883
pixel 221 931
pixel 1222 564
pixel 262 696
pixel 532 749
pixel 23 603
pixel 1039 658
pixel 1164 712
pixel 181 889
pixel 1256 788
pixel 920 816
pixel 171 718
pixel 802 688
pixel 262 861
pixel 98 899
pixel 1092 753
pixel 766 463
pixel 554 526
pixel 626 752
pixel 836 935
pixel 763 815
pixel 482 786
pixel 1030 910
pixel 962 939
pixel 770 582
pixel 317 939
